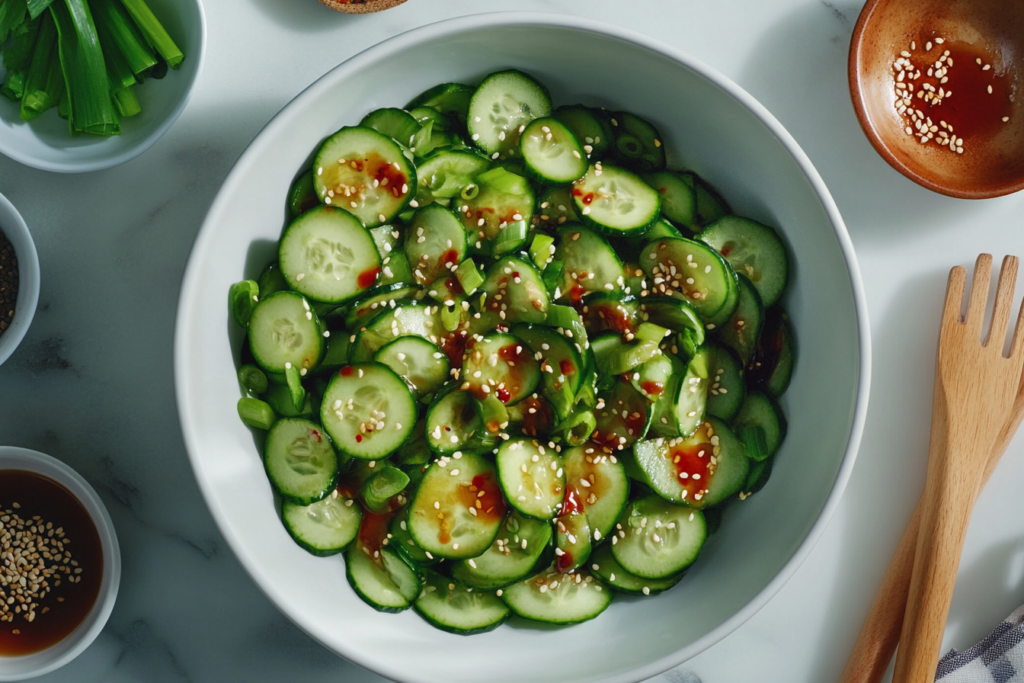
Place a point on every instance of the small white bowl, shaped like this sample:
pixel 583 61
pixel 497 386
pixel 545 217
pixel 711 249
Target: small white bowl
pixel 13 226
pixel 59 654
pixel 46 143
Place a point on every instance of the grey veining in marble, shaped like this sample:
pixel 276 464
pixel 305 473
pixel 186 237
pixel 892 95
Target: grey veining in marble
pixel 92 382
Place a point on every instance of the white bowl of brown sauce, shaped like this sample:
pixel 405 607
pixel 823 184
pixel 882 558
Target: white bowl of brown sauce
pixel 60 566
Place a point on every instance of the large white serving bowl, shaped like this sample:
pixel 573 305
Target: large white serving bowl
pixel 708 124
pixel 45 143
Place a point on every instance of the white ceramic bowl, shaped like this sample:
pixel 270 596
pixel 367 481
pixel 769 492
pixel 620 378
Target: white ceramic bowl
pixel 46 144
pixel 707 123
pixel 13 226
pixel 59 654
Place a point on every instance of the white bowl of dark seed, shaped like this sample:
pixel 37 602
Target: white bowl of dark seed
pixel 19 278
pixel 60 566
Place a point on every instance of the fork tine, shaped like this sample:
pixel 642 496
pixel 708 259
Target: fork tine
pixel 980 284
pixel 1003 303
pixel 954 295
pixel 1017 345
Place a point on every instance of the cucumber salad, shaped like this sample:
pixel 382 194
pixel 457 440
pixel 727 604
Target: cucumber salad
pixel 509 361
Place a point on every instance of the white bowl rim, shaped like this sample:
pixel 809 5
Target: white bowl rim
pixel 29 279
pixel 530 19
pixel 141 146
pixel 104 605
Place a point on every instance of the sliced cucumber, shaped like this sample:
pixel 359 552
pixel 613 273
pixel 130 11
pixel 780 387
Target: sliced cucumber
pixel 377 300
pixel 673 313
pixel 285 332
pixel 573 541
pixel 402 542
pixel 657 539
pixel 615 201
pixel 600 484
pixel 696 273
pixel 514 293
pixel 760 412
pixel 623 416
pixel 448 98
pixel 726 389
pixel 497 212
pixel 371 581
pixel 752 249
pixel 365 173
pixel 329 256
pixel 446 173
pixel 588 129
pixel 503 104
pixel 603 311
pixel 561 366
pixel 453 422
pixel 521 544
pixel 424 368
pixel 591 265
pixel 406 318
pixel 458 508
pixel 395 123
pixel 532 477
pixel 772 365
pixel 552 153
pixel 555 207
pixel 638 144
pixel 710 204
pixel 435 243
pixel 368 411
pixel 457 609
pixel 500 364
pixel 325 527
pixel 743 329
pixel 678 201
pixel 300 461
pixel 604 565
pixel 556 598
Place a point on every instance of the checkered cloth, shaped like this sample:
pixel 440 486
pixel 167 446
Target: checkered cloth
pixel 999 658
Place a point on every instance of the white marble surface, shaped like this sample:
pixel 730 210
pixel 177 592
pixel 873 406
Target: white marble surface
pixel 92 384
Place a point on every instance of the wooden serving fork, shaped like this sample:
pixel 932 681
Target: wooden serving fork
pixel 973 398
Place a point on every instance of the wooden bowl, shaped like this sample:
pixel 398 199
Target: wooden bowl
pixel 992 162
pixel 361 8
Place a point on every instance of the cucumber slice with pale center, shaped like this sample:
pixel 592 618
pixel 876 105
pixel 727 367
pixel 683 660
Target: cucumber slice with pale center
pixel 512 557
pixel 753 249
pixel 557 598
pixel 500 365
pixel 615 201
pixel 368 411
pixel 599 484
pixel 696 273
pixel 551 152
pixel 285 332
pixel 455 608
pixel 325 527
pixel 300 461
pixel 500 109
pixel 656 539
pixel 418 362
pixel 532 477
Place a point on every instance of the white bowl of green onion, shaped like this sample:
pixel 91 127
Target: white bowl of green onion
pixel 90 84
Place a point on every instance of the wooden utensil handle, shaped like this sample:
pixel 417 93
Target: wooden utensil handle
pixel 948 499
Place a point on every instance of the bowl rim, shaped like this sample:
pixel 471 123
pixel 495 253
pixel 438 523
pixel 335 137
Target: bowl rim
pixel 142 145
pixel 29 278
pixel 865 121
pixel 68 477
pixel 520 19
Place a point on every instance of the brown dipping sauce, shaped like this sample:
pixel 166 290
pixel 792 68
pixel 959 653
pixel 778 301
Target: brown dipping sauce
pixel 68 604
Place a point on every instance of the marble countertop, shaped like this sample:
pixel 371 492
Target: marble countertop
pixel 92 382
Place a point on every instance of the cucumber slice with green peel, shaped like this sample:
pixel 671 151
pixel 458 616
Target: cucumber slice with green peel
pixel 503 104
pixel 452 607
pixel 423 367
pixel 325 527
pixel 406 318
pixel 446 173
pixel 700 471
pixel 710 204
pixel 300 461
pixel 285 332
pixel 560 364
pixel 498 212
pixel 402 542
pixel 604 311
pixel 743 329
pixel 591 265
pixel 448 98
pixel 453 422
pixel 524 299
pixel 623 417
pixel 661 228
pixel 556 598
pixel 555 207
pixel 752 249
pixel 674 314
pixel 772 365
pixel 302 195
pixel 279 398
pixel 439 121
pixel 365 173
pixel 678 201
pixel 458 509
pixel 371 581
pixel 327 255
pixel 532 477
pixel 638 144
pixel 615 201
pixel 658 539
pixel 379 299
pixel 604 565
pixel 533 416
pixel 761 412
pixel 694 272
pixel 726 389
pixel 368 411
pixel 600 486
pixel 271 280
pixel 435 243
pixel 692 392
pixel 572 542
pixel 551 152
pixel 397 124
pixel 589 130
pixel 520 545
pixel 653 376
pixel 502 365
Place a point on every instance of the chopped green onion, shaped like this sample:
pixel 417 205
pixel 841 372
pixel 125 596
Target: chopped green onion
pixel 252 378
pixel 754 442
pixel 85 74
pixel 42 91
pixel 383 485
pixel 493 413
pixel 650 332
pixel 628 356
pixel 504 181
pixel 154 32
pixel 451 317
pixel 242 298
pixel 510 237
pixel 469 276
pixel 296 391
pixel 541 250
pixel 578 427
pixel 552 275
pixel 470 191
pixel 256 413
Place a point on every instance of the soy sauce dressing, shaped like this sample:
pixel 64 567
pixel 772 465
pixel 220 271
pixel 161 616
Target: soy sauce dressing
pixel 69 603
